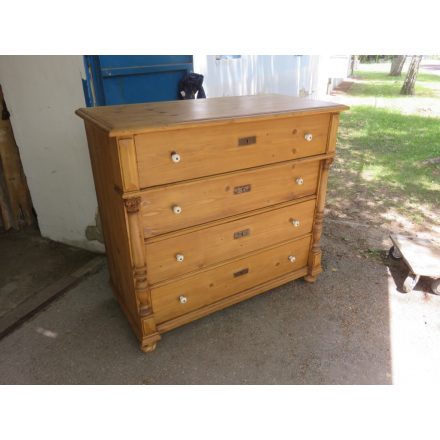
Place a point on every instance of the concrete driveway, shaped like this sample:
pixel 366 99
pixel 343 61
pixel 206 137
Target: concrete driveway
pixel 351 327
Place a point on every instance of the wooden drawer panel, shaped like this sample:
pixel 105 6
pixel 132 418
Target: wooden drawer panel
pixel 215 244
pixel 214 198
pixel 212 150
pixel 212 285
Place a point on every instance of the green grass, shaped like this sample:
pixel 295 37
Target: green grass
pixel 380 162
pixel 381 152
pixel 380 84
pixel 383 76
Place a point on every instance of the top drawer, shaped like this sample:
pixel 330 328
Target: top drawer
pixel 175 155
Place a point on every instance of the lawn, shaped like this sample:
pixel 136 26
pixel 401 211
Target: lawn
pixel 370 83
pixel 385 155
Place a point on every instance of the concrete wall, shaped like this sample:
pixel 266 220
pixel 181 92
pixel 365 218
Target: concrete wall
pixel 42 93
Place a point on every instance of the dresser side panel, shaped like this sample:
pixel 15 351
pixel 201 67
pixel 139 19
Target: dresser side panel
pixel 107 177
pixel 333 133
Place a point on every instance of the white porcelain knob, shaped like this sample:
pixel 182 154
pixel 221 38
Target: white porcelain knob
pixel 308 137
pixel 299 181
pixel 295 223
pixel 292 259
pixel 175 157
pixel 179 257
pixel 177 209
pixel 183 299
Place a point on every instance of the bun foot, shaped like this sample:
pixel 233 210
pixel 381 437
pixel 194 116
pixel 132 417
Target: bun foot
pixel 310 278
pixel 147 348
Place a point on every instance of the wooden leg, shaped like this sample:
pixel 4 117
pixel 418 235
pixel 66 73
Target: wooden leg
pixel 149 343
pixel 147 348
pixel 150 335
pixel 310 278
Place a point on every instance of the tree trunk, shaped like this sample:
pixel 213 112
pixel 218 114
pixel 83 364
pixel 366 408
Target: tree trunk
pixel 354 61
pixel 397 65
pixel 351 69
pixel 411 76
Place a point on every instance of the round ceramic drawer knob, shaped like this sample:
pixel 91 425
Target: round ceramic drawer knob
pixel 308 137
pixel 177 209
pixel 183 299
pixel 292 259
pixel 180 257
pixel 295 223
pixel 175 157
pixel 299 181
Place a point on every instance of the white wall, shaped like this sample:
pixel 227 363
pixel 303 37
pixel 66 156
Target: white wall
pixel 294 75
pixel 338 69
pixel 42 93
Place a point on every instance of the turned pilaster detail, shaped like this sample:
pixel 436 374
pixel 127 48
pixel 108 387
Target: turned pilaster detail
pixel 132 207
pixel 326 164
pixel 320 203
pixel 315 250
pixel 317 230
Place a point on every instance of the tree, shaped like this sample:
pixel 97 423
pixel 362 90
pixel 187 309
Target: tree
pixel 354 60
pixel 397 65
pixel 411 76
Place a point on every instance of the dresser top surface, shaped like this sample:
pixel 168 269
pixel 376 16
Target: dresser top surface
pixel 119 120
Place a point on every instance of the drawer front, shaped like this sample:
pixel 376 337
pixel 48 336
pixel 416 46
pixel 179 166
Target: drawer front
pixel 176 155
pixel 170 208
pixel 180 297
pixel 174 256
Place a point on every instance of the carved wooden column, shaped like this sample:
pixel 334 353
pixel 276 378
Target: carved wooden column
pixel 315 252
pixel 138 256
pixel 150 336
pixel 314 262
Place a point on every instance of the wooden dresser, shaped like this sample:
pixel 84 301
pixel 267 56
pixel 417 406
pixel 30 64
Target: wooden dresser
pixel 205 203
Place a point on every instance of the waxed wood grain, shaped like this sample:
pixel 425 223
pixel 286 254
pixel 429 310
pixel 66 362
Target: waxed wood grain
pixel 128 161
pixel 206 151
pixel 238 200
pixel 211 245
pixel 212 285
pixel 121 120
pixel 230 300
pixel 208 199
pixel 106 174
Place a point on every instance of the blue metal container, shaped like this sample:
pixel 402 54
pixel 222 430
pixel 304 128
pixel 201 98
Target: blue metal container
pixel 130 79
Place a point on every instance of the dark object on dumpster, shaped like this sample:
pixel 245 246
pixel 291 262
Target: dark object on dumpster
pixel 191 84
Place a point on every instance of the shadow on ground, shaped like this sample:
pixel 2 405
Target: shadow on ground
pixel 335 331
pixel 381 172
pixel 29 263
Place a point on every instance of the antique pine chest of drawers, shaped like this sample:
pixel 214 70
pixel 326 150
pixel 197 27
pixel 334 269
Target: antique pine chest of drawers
pixel 205 203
